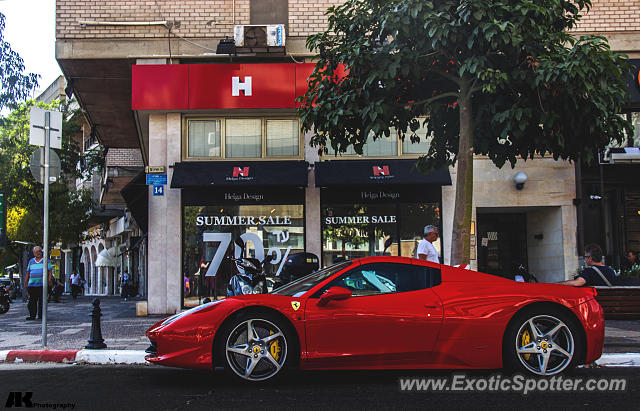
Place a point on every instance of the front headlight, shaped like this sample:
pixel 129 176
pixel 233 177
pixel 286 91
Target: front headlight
pixel 257 289
pixel 246 289
pixel 187 312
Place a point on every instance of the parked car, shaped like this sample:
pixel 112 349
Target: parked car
pixel 388 313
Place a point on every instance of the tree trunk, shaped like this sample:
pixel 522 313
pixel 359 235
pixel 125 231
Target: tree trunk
pixel 460 248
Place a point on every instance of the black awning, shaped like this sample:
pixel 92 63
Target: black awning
pixel 239 174
pixel 359 172
pixel 136 195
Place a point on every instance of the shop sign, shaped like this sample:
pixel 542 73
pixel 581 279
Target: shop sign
pixel 379 195
pixel 361 219
pixel 381 172
pixel 244 196
pixel 154 170
pixel 242 220
pixel 240 174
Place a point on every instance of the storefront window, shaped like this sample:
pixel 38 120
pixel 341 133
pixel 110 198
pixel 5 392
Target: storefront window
pixel 243 138
pixel 282 138
pixel 204 138
pixel 380 147
pixel 361 230
pixel 210 235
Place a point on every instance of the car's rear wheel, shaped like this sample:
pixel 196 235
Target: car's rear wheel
pixel 543 342
pixel 255 346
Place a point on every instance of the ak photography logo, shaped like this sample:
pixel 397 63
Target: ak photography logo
pixel 20 399
pixel 381 173
pixel 240 174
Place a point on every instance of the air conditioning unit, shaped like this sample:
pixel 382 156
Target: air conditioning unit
pixel 259 35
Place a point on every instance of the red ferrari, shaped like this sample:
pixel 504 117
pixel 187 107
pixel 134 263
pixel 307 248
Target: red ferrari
pixel 387 313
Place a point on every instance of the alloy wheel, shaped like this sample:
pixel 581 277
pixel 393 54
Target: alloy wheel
pixel 256 349
pixel 545 345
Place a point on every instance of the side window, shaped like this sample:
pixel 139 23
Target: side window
pixel 384 278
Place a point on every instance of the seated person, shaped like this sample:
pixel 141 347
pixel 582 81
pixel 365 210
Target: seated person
pixel 596 270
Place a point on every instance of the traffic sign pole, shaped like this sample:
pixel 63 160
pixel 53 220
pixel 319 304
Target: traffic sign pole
pixel 45 240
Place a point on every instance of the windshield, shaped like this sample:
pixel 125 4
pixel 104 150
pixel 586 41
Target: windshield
pixel 304 284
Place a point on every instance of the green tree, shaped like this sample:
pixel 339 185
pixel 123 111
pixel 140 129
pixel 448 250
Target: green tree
pixel 16 85
pixel 69 209
pixel 501 78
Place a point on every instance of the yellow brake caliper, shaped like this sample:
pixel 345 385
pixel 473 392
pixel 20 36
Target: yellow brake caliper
pixel 274 348
pixel 526 339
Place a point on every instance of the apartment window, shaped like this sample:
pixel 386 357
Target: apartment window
pixel 204 138
pixel 234 137
pixel 393 146
pixel 282 138
pixel 243 138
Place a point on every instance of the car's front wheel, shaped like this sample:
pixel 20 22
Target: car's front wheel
pixel 255 346
pixel 543 343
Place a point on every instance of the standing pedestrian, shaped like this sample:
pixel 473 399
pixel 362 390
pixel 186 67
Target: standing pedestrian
pixel 124 283
pixel 75 284
pixel 33 283
pixel 426 250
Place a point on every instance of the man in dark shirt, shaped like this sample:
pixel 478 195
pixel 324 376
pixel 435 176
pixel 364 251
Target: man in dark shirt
pixel 589 276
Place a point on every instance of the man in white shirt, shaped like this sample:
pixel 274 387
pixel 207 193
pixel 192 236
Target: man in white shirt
pixel 426 250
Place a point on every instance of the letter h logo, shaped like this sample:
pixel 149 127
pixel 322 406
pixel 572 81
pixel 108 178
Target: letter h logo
pixel 381 170
pixel 236 86
pixel 241 171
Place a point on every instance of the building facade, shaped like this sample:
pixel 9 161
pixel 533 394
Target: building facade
pixel 224 131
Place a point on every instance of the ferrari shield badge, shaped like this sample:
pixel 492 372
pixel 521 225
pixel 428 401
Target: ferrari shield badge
pixel 295 305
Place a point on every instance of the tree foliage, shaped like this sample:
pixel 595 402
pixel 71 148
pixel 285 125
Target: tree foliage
pixel 69 208
pixel 16 85
pixel 500 78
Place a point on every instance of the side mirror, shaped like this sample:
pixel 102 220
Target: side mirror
pixel 334 294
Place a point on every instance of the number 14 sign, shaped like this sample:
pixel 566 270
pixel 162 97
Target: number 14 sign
pixel 158 190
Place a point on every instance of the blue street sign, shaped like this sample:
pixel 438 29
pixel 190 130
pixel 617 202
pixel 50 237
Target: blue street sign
pixel 156 179
pixel 158 190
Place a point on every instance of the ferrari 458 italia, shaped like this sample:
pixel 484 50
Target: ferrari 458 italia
pixel 387 313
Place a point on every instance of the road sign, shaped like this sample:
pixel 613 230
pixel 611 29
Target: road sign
pixel 156 179
pixel 37 165
pixel 37 127
pixel 154 170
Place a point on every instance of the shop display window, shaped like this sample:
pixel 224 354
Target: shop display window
pixel 209 239
pixel 359 230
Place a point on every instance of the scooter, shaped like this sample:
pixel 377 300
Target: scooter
pixel 250 277
pixel 523 275
pixel 5 300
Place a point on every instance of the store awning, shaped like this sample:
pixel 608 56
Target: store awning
pixel 239 174
pixel 107 258
pixel 136 195
pixel 376 172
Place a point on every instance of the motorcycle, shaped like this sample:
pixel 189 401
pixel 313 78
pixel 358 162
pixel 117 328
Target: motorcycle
pixel 523 275
pixel 5 300
pixel 250 277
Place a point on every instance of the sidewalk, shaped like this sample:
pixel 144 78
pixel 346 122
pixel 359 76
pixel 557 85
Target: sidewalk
pixel 69 325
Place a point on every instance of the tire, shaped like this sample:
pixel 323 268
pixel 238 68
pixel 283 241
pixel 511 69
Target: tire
pixel 4 307
pixel 259 357
pixel 543 342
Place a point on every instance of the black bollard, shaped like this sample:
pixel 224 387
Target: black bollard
pixel 95 341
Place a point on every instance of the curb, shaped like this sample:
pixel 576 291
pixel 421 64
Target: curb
pixel 75 356
pixel 137 357
pixel 619 360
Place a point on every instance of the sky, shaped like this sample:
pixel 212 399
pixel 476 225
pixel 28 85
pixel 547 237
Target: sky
pixel 30 29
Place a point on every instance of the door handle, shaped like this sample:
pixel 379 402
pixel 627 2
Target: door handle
pixel 431 306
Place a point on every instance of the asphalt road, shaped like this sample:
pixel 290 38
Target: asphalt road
pixel 159 388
